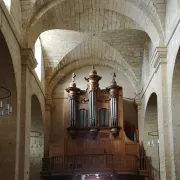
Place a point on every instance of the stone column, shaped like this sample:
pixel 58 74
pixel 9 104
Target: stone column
pixel 164 127
pixel 47 126
pixel 23 150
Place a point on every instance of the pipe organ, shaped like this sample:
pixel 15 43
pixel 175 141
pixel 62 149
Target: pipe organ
pixel 92 135
pixel 100 107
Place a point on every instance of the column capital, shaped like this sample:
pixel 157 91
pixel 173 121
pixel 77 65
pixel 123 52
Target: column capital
pixel 49 104
pixel 138 103
pixel 28 58
pixel 159 57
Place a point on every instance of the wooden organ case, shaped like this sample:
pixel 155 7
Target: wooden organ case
pixel 95 140
pixel 95 124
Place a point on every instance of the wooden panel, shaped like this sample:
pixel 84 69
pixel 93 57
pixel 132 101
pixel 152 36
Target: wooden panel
pixel 93 147
pixel 130 129
pixel 118 147
pixel 99 147
pixel 85 146
pixel 132 149
pixel 120 110
pixel 55 150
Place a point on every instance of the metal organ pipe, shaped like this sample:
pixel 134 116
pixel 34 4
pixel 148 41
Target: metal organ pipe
pixel 115 110
pixel 111 109
pixel 74 112
pixel 72 90
pixel 112 116
pixel 93 80
pixel 92 108
pixel 90 112
pixel 70 110
pixel 113 105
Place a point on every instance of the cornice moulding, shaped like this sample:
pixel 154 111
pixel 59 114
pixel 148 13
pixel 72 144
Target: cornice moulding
pixel 159 56
pixel 49 104
pixel 28 58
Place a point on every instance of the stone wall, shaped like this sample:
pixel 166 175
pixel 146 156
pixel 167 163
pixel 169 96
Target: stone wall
pixel 159 81
pixel 15 12
pixel 176 114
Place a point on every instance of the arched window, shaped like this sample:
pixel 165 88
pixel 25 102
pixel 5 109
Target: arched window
pixel 8 4
pixel 38 56
pixel 103 117
pixel 82 118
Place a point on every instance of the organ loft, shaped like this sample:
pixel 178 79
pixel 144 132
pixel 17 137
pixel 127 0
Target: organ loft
pixel 97 142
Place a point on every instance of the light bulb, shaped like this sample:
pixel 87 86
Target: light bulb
pixel 2 112
pixel 1 104
pixel 152 142
pixel 10 109
pixel 7 106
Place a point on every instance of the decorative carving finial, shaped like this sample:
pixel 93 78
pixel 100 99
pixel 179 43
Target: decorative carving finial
pixel 113 82
pixel 93 67
pixel 114 75
pixel 73 77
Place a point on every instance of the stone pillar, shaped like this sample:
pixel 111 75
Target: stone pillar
pixel 47 126
pixel 28 64
pixel 165 155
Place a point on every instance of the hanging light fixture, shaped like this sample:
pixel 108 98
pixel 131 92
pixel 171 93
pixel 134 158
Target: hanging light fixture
pixel 35 140
pixel 153 139
pixel 153 142
pixel 5 102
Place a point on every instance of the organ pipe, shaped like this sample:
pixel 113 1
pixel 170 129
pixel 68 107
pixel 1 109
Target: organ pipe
pixel 93 92
pixel 93 80
pixel 72 90
pixel 113 90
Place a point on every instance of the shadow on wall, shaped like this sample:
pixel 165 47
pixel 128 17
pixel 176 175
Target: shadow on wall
pixel 8 125
pixel 130 118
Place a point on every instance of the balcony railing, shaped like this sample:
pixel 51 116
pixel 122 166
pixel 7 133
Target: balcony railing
pixel 95 163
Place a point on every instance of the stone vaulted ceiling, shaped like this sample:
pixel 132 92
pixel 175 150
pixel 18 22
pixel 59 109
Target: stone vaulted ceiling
pixel 75 33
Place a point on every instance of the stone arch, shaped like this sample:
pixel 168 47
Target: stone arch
pixel 40 9
pixel 151 135
pixel 90 54
pixel 145 64
pixel 8 125
pixel 36 139
pixel 178 3
pixel 66 69
pixel 149 24
pixel 175 96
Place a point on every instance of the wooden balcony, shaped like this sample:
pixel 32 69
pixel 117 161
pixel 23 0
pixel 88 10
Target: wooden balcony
pixel 98 163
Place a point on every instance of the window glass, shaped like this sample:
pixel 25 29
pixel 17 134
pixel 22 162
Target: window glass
pixel 8 4
pixel 38 56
